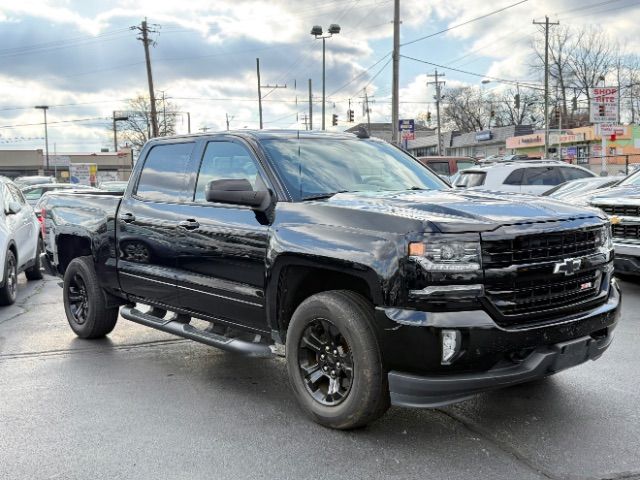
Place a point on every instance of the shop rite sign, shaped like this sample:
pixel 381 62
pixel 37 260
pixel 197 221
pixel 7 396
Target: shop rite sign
pixel 603 107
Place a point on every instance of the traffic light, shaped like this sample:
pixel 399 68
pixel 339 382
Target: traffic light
pixel 557 114
pixel 493 113
pixel 428 116
pixel 517 101
pixel 334 120
pixel 350 116
pixel 601 110
pixel 574 103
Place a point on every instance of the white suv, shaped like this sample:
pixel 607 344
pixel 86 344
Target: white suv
pixel 20 243
pixel 529 176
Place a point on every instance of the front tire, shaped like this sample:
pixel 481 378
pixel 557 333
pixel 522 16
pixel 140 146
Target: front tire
pixel 9 290
pixel 84 301
pixel 334 361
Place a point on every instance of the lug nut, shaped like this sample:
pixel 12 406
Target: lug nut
pixel 322 357
pixel 325 368
pixel 335 352
pixel 333 372
pixel 327 348
pixel 338 364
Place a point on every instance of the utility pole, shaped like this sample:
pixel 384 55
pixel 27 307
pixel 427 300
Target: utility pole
pixel 546 24
pixel 44 109
pixel 395 88
pixel 438 97
pixel 367 110
pixel 146 41
pixel 260 87
pixel 310 107
pixel 122 118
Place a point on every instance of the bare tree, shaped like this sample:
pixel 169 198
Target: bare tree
pixel 592 58
pixel 137 129
pixel 528 112
pixel 465 109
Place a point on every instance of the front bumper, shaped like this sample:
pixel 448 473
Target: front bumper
pixel 627 259
pixel 584 338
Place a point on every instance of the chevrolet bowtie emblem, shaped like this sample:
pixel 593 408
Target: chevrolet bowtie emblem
pixel 568 266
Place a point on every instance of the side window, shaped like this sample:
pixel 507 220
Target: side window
pixel 464 164
pixel 515 177
pixel 441 168
pixel 574 173
pixel 34 193
pixel 543 176
pixel 164 174
pixel 224 160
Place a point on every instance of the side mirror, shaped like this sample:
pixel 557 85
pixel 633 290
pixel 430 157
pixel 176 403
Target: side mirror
pixel 13 208
pixel 237 191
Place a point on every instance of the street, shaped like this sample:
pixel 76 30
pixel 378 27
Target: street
pixel 145 404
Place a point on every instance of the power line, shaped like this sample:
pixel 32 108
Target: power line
pixel 464 23
pixel 358 76
pixel 502 80
pixel 75 120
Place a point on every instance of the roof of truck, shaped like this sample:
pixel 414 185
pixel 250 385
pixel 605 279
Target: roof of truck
pixel 265 134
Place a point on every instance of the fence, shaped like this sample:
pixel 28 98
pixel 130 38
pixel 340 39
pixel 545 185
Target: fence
pixel 613 165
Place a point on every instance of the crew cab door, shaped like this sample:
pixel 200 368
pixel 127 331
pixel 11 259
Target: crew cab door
pixel 222 248
pixel 147 224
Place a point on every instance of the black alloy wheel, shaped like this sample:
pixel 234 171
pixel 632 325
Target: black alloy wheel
pixel 326 362
pixel 78 299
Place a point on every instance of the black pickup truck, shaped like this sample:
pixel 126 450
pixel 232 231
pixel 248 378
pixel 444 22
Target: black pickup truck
pixel 379 283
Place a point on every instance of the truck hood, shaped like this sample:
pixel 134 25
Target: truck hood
pixel 463 210
pixel 625 192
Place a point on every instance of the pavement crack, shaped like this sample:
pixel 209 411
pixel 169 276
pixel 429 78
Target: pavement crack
pixel 50 353
pixel 505 447
pixel 23 304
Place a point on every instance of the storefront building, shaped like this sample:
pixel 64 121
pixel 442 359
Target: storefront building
pixel 583 146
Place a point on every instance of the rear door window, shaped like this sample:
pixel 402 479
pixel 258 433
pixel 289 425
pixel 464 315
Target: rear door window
pixel 164 174
pixel 441 168
pixel 470 179
pixel 571 173
pixel 464 164
pixel 543 176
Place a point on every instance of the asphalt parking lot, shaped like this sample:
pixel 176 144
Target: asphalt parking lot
pixel 143 404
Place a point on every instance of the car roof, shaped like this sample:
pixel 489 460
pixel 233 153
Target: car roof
pixel 520 164
pixel 263 134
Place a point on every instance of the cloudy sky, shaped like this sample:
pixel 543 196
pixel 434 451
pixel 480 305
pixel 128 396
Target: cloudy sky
pixel 81 58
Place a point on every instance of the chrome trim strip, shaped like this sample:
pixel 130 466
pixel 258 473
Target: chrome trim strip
pixel 632 249
pixel 472 290
pixel 192 289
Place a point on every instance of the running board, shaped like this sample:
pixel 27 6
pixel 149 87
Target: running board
pixel 188 331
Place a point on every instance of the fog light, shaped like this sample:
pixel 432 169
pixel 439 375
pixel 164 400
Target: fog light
pixel 450 345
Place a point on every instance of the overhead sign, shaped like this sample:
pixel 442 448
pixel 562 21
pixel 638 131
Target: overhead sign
pixel 604 104
pixel 83 173
pixel 407 129
pixel 483 136
pixel 610 129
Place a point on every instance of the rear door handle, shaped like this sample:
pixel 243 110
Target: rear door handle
pixel 127 217
pixel 189 224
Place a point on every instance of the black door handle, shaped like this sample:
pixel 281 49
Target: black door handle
pixel 127 217
pixel 189 224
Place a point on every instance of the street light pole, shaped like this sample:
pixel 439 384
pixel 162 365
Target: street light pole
pixel 317 32
pixel 44 108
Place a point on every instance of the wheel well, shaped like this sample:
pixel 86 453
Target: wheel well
pixel 70 247
pixel 298 283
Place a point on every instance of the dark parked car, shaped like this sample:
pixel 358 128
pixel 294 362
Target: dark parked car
pixel 378 282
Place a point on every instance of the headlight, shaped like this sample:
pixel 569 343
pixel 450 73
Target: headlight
pixel 604 238
pixel 446 254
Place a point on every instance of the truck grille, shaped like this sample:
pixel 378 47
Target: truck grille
pixel 622 230
pixel 539 248
pixel 624 210
pixel 537 296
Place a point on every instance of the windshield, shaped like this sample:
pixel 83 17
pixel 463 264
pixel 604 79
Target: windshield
pixel 317 166
pixel 633 179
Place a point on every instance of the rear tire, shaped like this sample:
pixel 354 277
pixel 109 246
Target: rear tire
pixel 35 272
pixel 9 290
pixel 84 301
pixel 335 330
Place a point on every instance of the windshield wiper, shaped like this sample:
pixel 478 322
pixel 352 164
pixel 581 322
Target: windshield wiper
pixel 320 196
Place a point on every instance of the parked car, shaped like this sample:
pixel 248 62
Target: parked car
pixel 20 244
pixel 378 282
pixel 447 167
pixel 113 186
pixel 33 192
pixel 578 188
pixel 530 176
pixel 622 204
pixel 33 180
